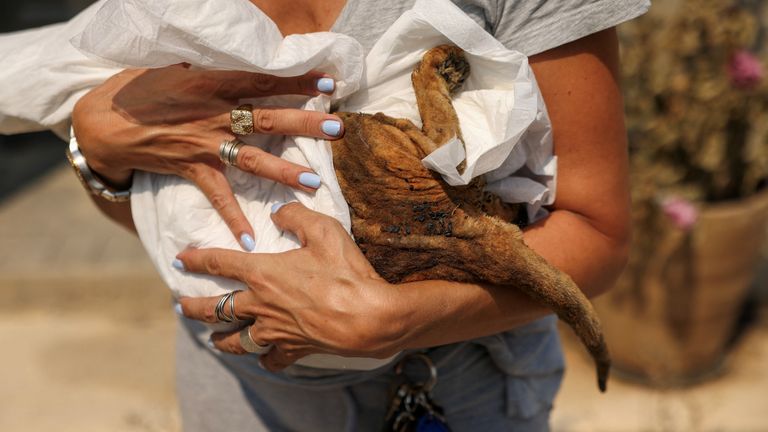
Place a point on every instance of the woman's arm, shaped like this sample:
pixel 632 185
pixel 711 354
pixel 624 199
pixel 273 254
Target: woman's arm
pixel 323 298
pixel 119 212
pixel 580 84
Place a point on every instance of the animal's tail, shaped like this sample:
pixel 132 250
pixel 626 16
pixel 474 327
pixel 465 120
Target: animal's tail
pixel 551 287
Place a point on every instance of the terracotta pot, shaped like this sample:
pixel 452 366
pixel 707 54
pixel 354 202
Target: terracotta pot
pixel 670 323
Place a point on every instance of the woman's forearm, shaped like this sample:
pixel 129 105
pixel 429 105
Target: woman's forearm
pixel 120 213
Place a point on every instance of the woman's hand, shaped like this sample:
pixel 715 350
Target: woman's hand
pixel 322 298
pixel 172 121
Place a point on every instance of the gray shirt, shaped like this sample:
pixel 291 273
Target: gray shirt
pixel 528 26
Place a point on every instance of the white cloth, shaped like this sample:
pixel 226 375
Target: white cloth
pixel 43 76
pixel 501 111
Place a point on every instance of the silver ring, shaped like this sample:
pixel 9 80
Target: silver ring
pixel 249 345
pixel 232 307
pixel 228 151
pixel 219 309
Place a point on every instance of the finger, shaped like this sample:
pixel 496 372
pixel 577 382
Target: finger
pixel 239 85
pixel 232 342
pixel 204 308
pixel 276 359
pixel 290 121
pixel 218 262
pixel 262 164
pixel 228 342
pixel 216 188
pixel 199 308
pixel 309 226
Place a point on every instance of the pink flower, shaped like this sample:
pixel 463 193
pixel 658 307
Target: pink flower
pixel 745 70
pixel 681 212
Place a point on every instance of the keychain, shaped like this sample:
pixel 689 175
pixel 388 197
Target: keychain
pixel 412 408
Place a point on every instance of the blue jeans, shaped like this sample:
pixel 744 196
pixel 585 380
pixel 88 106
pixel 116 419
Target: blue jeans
pixel 498 383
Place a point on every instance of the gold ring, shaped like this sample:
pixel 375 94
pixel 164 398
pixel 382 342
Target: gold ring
pixel 242 119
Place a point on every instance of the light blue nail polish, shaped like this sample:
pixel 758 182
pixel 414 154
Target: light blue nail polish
pixel 247 242
pixel 276 207
pixel 326 85
pixel 261 365
pixel 309 179
pixel 177 308
pixel 178 265
pixel 331 127
pixel 210 344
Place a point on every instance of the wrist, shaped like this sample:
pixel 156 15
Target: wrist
pixel 393 319
pixel 114 179
pixel 388 321
pixel 92 182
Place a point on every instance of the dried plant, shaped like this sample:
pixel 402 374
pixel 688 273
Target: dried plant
pixel 697 115
pixel 697 105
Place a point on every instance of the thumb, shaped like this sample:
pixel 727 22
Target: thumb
pixel 308 225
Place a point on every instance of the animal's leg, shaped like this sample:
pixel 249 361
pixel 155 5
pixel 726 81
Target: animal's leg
pixel 424 144
pixel 441 71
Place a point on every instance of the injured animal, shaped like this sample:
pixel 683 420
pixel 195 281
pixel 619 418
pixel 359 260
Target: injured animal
pixel 411 225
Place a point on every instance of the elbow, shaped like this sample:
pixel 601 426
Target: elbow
pixel 618 248
pixel 616 267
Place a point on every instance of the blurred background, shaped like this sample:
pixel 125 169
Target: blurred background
pixel 87 328
pixel 85 323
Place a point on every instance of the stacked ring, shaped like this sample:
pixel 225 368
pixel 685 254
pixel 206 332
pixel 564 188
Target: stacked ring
pixel 227 299
pixel 228 151
pixel 249 345
pixel 242 120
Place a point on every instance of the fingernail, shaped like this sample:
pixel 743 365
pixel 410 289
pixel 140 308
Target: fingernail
pixel 177 308
pixel 276 207
pixel 310 180
pixel 247 242
pixel 261 364
pixel 326 85
pixel 178 265
pixel 331 127
pixel 210 344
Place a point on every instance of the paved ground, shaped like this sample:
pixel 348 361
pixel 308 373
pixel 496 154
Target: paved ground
pixel 85 323
pixel 733 402
pixel 86 331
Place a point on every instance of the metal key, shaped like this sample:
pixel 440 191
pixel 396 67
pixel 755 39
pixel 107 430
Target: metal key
pixel 412 408
pixel 396 405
